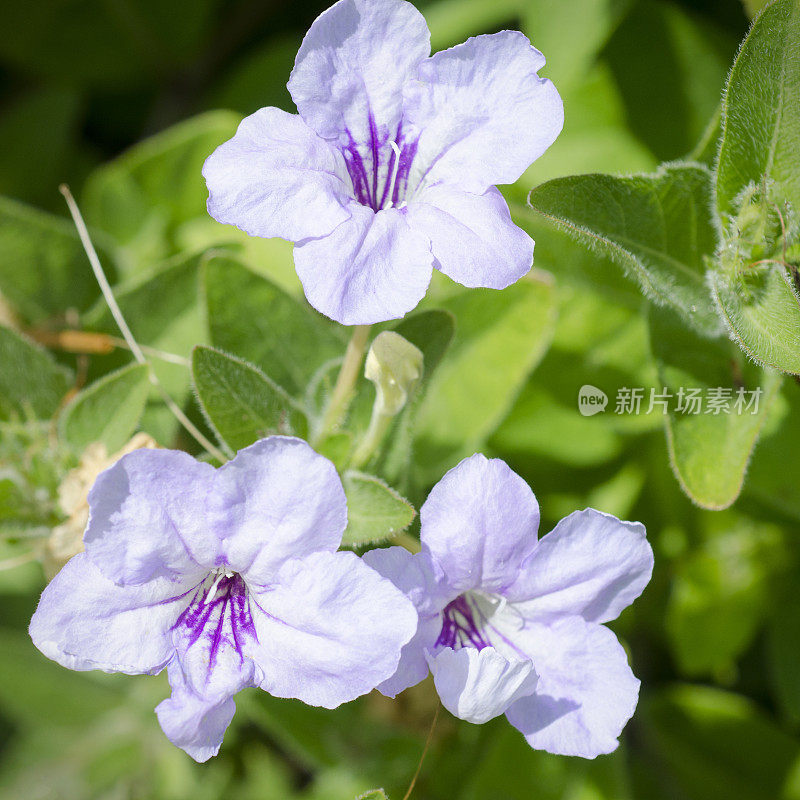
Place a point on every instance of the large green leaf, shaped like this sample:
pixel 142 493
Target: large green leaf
pixel 31 382
pixel 143 197
pixel 162 309
pixel 242 403
pixel 761 111
pixel 758 191
pixel 500 337
pixel 657 227
pixel 710 441
pixel 43 267
pixel 375 511
pixel 109 410
pixel 253 318
pixel 762 312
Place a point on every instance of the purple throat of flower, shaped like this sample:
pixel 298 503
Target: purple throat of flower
pixel 463 625
pixel 218 614
pixel 380 168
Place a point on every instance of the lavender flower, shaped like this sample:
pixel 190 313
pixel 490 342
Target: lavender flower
pixel 229 578
pixel 512 624
pixel 389 169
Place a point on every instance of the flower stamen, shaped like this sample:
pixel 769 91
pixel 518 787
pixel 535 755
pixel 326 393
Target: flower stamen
pixel 395 169
pixel 221 575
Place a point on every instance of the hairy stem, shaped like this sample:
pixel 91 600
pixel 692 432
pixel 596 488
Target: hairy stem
pixel 105 287
pixel 424 753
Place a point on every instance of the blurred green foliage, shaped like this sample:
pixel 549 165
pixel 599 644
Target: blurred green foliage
pixel 124 100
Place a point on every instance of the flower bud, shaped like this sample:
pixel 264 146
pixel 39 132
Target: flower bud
pixel 394 365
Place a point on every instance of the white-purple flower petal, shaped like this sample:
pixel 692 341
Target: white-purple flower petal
pixel 414 575
pixel 586 691
pixel 85 621
pixel 277 500
pixel 482 112
pixel 472 236
pixel 479 685
pixel 276 177
pixel 193 722
pixel 234 581
pixel 396 131
pixel 372 268
pixel 591 564
pixel 327 630
pixel 143 520
pixel 350 70
pixel 480 523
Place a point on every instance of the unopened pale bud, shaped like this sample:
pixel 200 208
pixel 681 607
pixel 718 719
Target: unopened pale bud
pixel 394 365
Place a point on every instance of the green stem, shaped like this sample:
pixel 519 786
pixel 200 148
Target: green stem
pixel 345 382
pixel 428 741
pixel 378 425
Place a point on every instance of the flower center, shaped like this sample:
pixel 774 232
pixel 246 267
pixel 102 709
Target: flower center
pixel 462 624
pixel 218 615
pixel 379 169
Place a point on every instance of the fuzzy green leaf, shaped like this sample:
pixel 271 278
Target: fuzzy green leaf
pixel 43 267
pixel 709 452
pixel 657 228
pixel 108 411
pixel 500 337
pixel 240 402
pixel 375 511
pixel 31 382
pixel 761 111
pixel 252 317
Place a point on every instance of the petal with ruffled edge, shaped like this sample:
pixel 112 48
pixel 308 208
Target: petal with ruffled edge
pixel 372 268
pixel 586 690
pixel 194 723
pixel 147 518
pixel 329 629
pixel 85 621
pixel 349 72
pixel 276 500
pixel 591 564
pixel 478 685
pixel 472 236
pixel 482 112
pixel 479 523
pixel 276 177
pixel 416 577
